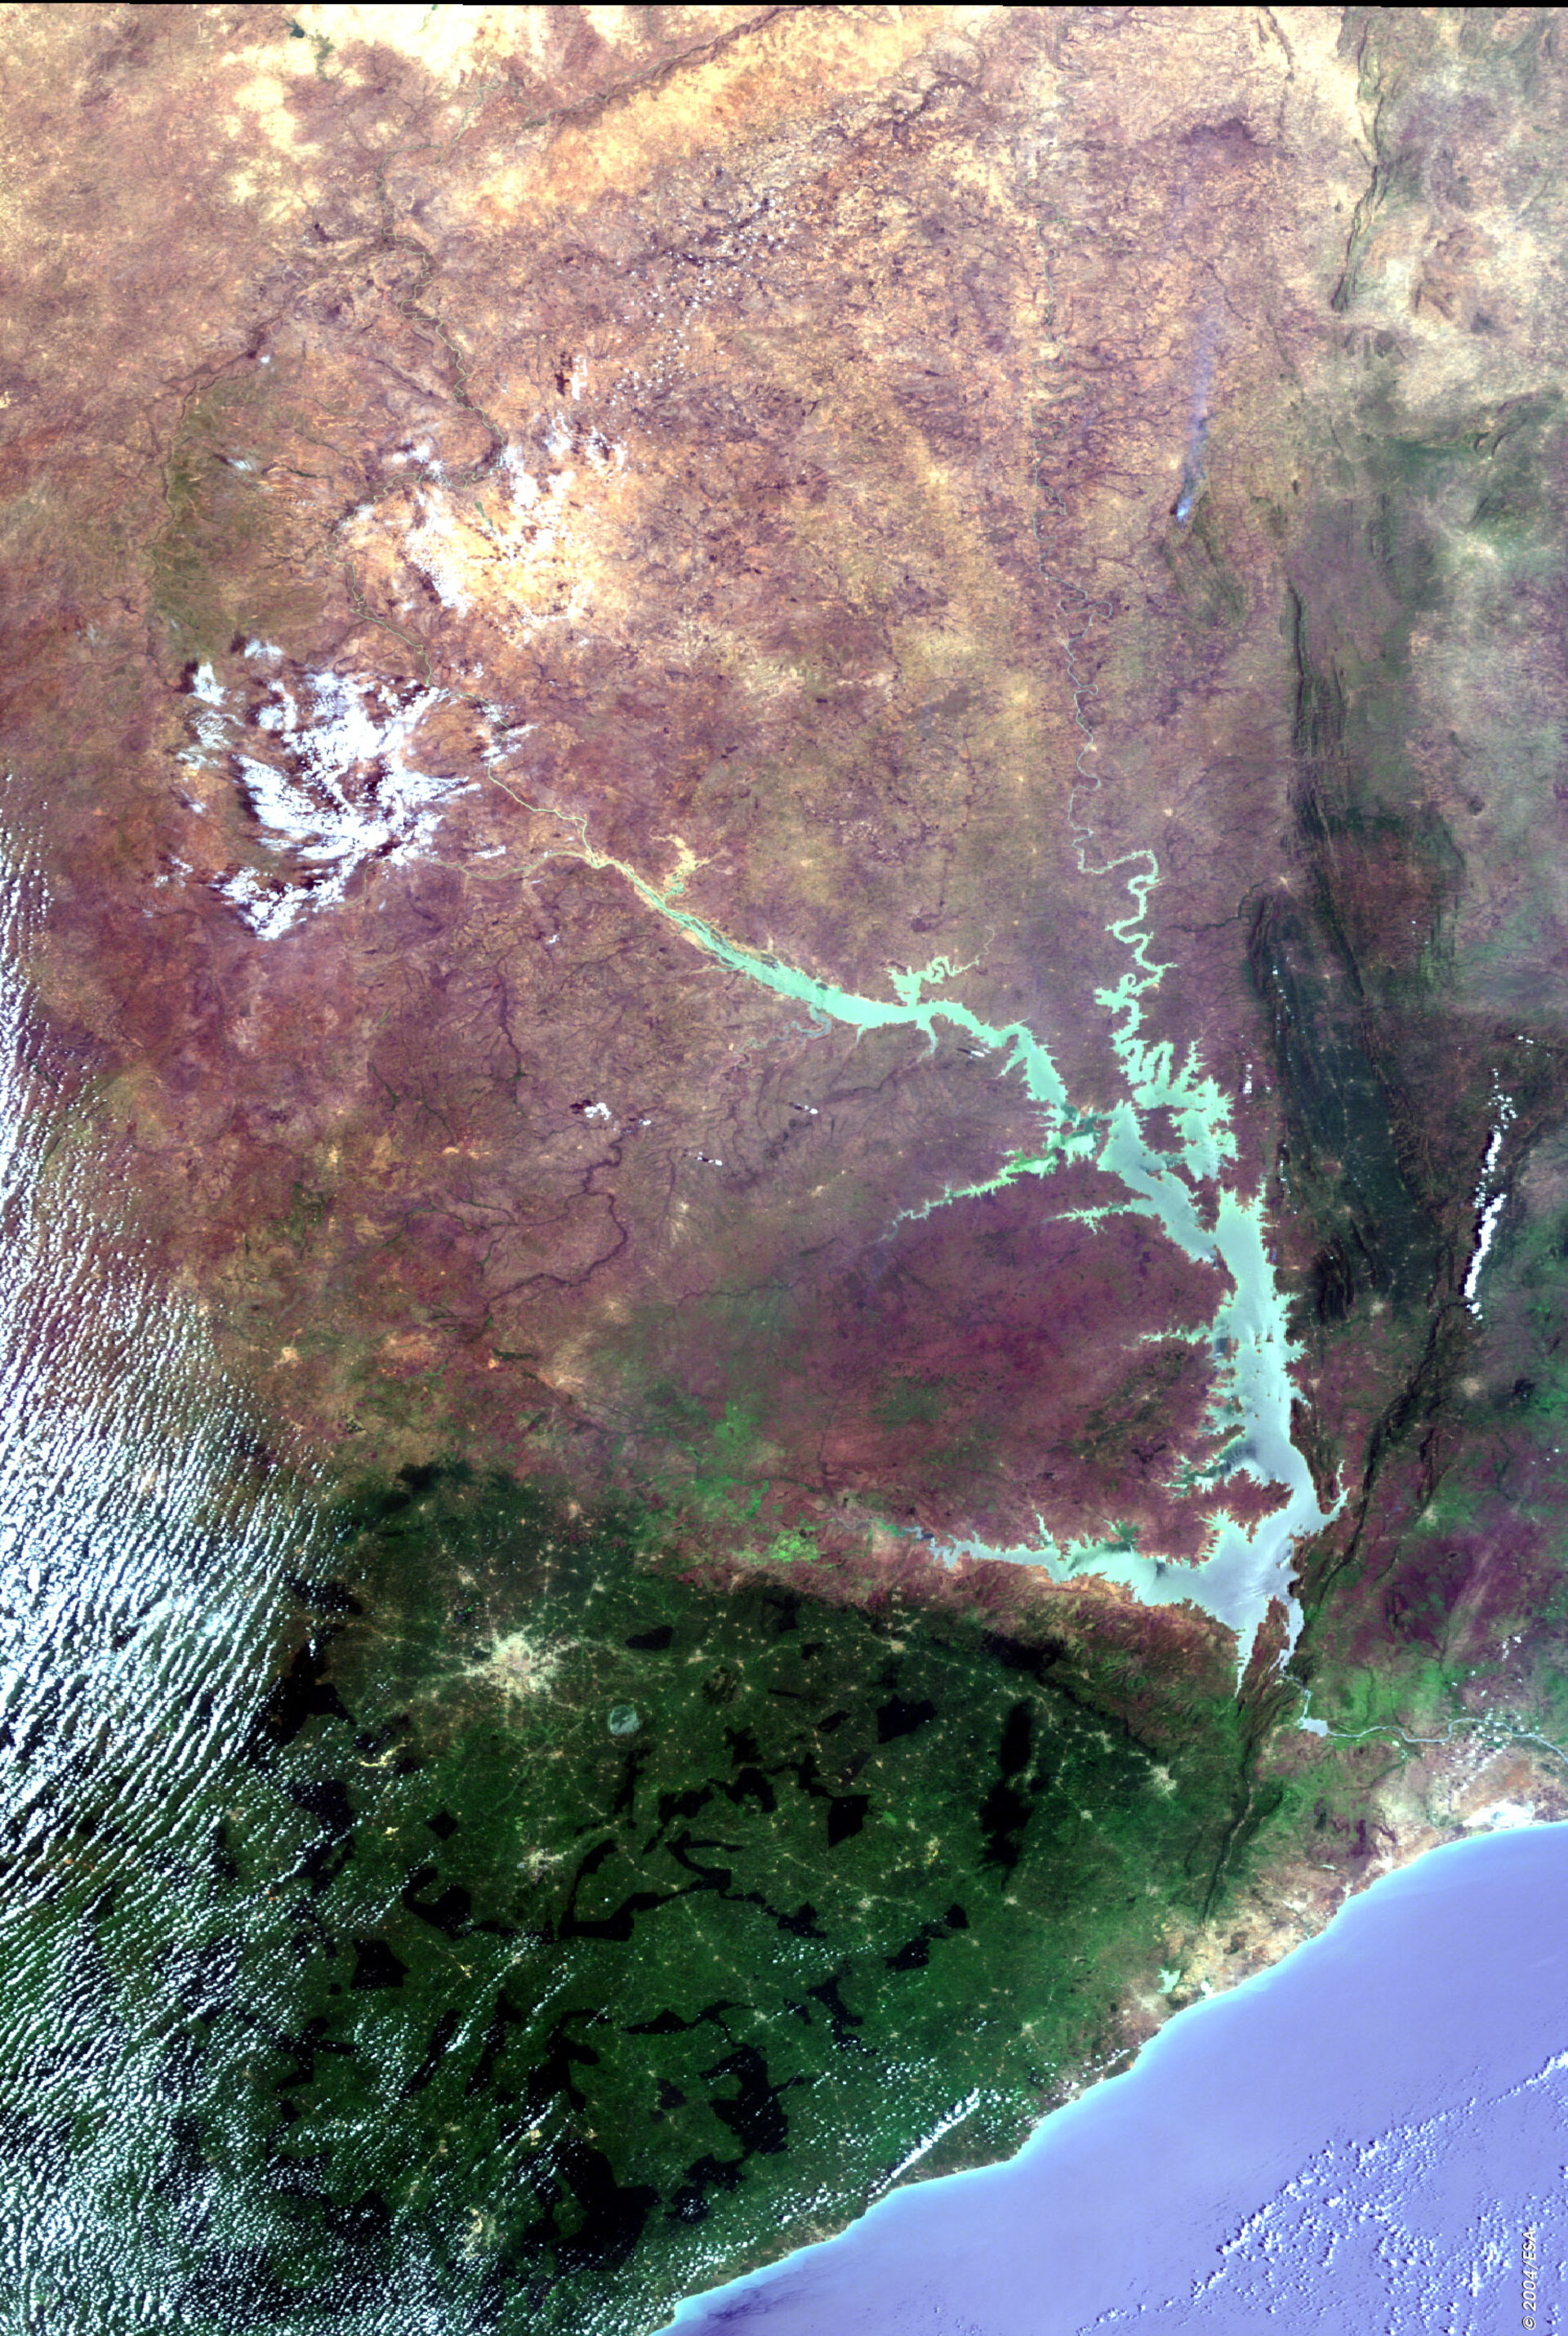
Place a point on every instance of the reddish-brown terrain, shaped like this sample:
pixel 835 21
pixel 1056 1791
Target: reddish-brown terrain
pixel 571 574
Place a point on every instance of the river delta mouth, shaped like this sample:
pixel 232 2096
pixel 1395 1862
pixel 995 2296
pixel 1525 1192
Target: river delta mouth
pixel 551 1911
pixel 520 1908
pixel 489 1902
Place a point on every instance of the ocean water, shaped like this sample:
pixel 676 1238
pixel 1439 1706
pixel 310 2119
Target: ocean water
pixel 1363 2142
pixel 1359 2142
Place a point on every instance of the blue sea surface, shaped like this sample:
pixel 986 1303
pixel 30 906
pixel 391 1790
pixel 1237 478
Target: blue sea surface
pixel 1353 2143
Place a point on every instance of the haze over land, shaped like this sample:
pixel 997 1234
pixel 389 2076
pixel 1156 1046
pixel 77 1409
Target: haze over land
pixel 789 782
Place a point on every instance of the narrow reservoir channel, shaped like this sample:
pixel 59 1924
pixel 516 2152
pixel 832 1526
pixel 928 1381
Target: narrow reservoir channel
pixel 1360 2139
pixel 146 1557
pixel 1252 1351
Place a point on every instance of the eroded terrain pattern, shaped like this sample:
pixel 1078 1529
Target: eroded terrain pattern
pixel 790 789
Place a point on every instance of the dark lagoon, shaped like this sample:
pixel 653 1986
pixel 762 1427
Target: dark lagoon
pixel 1359 2139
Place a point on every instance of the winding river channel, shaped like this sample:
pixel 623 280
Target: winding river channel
pixel 143 1565
pixel 1245 1570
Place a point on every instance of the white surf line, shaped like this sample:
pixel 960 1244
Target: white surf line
pixel 966 2108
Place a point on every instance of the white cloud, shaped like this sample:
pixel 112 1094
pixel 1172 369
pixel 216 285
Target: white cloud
pixel 331 785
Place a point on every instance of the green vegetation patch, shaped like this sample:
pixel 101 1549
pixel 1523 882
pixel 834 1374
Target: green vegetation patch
pixel 234 552
pixel 563 1934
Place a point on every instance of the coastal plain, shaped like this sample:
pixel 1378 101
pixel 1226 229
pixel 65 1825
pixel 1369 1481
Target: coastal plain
pixel 715 719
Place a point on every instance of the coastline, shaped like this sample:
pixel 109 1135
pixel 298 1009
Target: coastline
pixel 1480 1879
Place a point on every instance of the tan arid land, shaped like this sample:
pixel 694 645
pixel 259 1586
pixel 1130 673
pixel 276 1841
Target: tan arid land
pixel 625 630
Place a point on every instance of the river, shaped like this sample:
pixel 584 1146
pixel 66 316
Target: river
pixel 144 1557
pixel 1244 1571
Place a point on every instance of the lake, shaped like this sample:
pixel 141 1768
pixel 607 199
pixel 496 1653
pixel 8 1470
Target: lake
pixel 1358 2139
